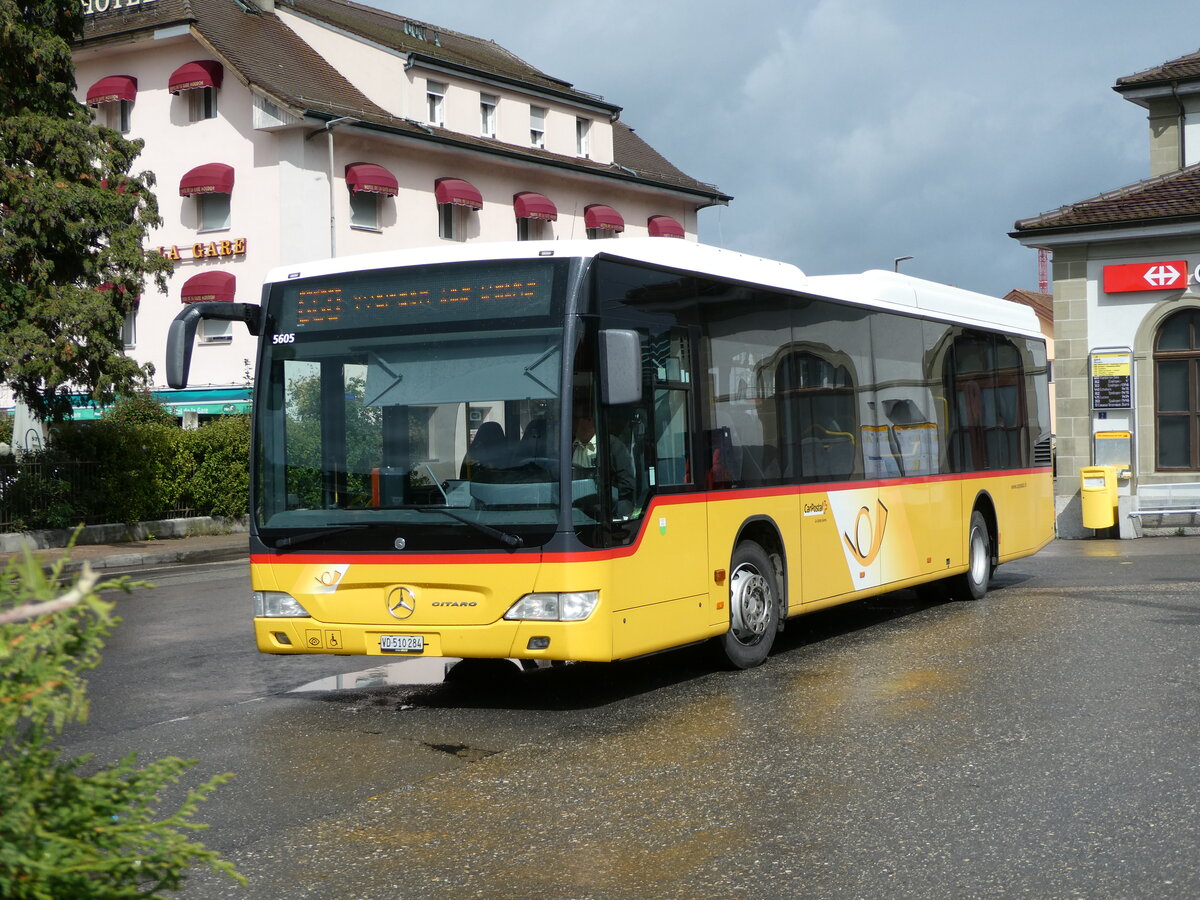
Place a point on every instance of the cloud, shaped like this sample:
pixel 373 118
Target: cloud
pixel 854 131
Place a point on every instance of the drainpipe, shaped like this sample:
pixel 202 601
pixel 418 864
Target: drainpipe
pixel 328 129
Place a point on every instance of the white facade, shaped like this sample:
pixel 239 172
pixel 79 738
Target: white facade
pixel 288 206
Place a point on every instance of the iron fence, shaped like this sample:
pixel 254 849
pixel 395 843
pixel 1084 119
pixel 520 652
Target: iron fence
pixel 37 493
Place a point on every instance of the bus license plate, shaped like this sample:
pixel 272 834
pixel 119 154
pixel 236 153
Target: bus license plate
pixel 401 643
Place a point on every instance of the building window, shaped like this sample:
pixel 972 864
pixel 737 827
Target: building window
pixel 202 104
pixel 216 331
pixel 214 211
pixel 583 137
pixel 115 115
pixel 533 230
pixel 487 115
pixel 364 211
pixel 1177 391
pixel 537 126
pixel 452 222
pixel 129 330
pixel 435 101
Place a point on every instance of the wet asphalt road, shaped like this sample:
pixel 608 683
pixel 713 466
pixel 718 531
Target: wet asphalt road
pixel 1040 743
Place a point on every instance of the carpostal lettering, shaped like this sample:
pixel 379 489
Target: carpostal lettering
pixel 814 509
pixel 91 7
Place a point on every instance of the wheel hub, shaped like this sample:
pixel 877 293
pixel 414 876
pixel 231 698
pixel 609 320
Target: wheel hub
pixel 750 603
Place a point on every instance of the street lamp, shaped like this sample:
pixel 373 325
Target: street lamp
pixel 896 262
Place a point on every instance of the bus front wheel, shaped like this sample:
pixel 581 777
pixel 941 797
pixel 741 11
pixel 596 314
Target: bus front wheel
pixel 753 607
pixel 973 583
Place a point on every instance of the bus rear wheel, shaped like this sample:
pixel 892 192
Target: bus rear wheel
pixel 973 583
pixel 753 607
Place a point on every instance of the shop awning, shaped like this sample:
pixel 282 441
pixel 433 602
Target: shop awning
pixel 111 89
pixel 664 226
pixel 210 178
pixel 200 73
pixel 457 192
pixel 528 205
pixel 603 217
pixel 220 286
pixel 369 178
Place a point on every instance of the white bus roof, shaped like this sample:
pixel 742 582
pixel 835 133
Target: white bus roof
pixel 874 288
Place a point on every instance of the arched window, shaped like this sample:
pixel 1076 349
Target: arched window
pixel 1177 391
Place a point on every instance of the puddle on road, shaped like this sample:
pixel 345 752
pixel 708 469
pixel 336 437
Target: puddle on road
pixel 421 670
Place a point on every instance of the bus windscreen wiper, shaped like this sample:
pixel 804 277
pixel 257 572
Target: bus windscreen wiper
pixel 295 540
pixel 511 541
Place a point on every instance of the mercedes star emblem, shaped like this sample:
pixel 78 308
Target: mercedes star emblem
pixel 401 602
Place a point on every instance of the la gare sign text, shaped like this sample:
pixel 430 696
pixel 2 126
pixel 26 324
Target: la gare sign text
pixel 202 250
pixel 91 7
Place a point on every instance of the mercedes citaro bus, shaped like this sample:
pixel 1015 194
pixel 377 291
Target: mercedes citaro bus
pixel 596 450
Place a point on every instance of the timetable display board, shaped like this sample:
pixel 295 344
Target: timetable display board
pixel 1112 378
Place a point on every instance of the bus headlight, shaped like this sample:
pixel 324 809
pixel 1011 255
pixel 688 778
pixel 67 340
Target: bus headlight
pixel 278 605
pixel 567 607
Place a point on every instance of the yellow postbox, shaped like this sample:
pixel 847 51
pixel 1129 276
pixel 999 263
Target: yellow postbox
pixel 1098 496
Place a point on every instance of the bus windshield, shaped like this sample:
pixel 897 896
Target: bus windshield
pixel 413 401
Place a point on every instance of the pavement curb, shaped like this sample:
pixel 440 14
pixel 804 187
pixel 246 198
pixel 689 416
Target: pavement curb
pixel 54 538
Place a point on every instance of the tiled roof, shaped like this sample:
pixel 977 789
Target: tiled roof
pixel 1175 195
pixel 1042 304
pixel 413 36
pixel 1184 67
pixel 265 53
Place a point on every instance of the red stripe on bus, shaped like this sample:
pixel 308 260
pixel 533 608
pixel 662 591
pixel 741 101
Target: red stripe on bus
pixel 660 501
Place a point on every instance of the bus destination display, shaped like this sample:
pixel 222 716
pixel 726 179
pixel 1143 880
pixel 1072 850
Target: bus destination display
pixel 417 296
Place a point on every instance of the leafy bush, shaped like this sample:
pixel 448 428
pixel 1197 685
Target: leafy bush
pixel 220 482
pixel 145 467
pixel 63 833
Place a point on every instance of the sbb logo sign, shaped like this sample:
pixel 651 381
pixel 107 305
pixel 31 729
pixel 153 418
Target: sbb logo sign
pixel 1154 276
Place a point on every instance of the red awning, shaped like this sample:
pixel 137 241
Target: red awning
pixel 112 89
pixel 603 217
pixel 209 286
pixel 458 192
pixel 371 179
pixel 200 73
pixel 528 205
pixel 211 178
pixel 664 226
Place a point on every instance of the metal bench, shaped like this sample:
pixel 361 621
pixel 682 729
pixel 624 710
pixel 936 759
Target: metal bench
pixel 1159 500
pixel 1165 499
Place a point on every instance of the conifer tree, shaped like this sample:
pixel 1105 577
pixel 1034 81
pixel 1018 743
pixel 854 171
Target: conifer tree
pixel 73 222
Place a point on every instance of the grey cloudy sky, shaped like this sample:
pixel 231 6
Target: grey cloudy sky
pixel 851 132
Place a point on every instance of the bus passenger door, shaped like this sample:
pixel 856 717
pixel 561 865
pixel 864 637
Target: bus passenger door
pixel 661 588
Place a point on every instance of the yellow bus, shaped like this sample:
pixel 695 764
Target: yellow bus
pixel 597 450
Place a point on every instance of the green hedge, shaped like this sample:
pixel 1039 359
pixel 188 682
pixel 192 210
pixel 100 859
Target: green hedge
pixel 145 467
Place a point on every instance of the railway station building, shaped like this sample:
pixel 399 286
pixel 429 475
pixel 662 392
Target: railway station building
pixel 1126 288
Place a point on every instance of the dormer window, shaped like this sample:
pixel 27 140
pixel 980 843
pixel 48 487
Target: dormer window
pixel 435 102
pixel 537 127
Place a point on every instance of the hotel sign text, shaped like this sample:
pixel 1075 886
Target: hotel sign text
pixel 205 250
pixel 91 7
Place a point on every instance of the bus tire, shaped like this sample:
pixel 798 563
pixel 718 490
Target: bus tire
pixel 973 583
pixel 753 607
